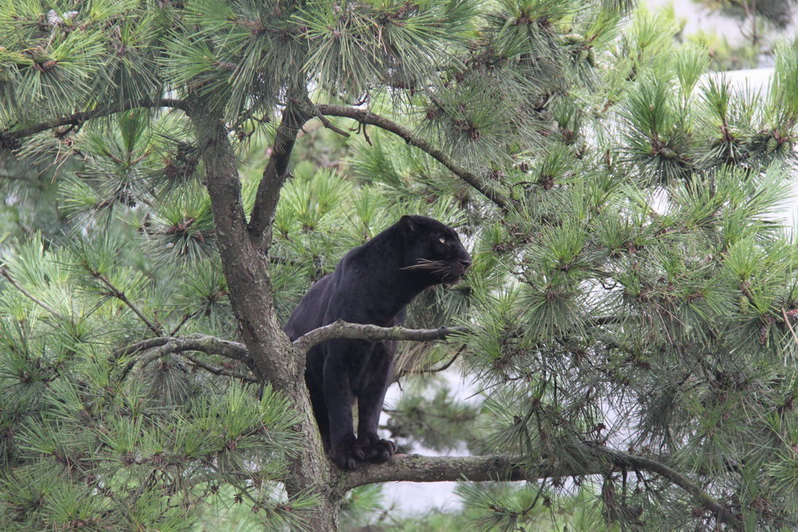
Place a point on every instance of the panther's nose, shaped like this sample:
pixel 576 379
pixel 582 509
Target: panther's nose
pixel 466 263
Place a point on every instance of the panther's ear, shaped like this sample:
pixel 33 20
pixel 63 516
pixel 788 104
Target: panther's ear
pixel 408 223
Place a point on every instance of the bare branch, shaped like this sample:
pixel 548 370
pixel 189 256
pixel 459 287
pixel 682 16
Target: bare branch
pixel 444 367
pixel 329 125
pixel 367 117
pixel 374 333
pixel 137 347
pixel 78 118
pixel 417 468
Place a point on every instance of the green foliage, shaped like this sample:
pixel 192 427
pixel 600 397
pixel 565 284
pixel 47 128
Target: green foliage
pixel 512 506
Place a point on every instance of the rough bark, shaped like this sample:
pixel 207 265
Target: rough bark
pixel 276 172
pixel 246 271
pixel 598 461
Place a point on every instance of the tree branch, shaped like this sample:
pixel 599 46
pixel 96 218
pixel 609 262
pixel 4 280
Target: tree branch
pixel 115 292
pixel 429 371
pixel 220 371
pixel 276 172
pixel 5 273
pixel 83 116
pixel 359 331
pixel 155 348
pixel 416 468
pixel 137 347
pixel 367 117
pixel 642 463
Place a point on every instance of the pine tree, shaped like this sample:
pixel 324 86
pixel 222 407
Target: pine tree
pixel 628 319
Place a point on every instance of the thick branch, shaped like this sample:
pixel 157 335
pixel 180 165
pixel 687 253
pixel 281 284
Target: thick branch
pixel 416 468
pixel 358 331
pixel 78 118
pixel 275 174
pixel 246 270
pixel 366 117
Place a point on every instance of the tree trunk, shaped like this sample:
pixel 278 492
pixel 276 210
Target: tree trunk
pixel 275 358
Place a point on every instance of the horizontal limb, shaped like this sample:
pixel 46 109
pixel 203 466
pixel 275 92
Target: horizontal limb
pixel 601 461
pixel 374 333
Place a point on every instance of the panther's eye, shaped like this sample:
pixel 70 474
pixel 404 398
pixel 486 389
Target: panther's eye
pixel 442 240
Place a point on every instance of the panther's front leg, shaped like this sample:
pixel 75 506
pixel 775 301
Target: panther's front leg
pixel 371 396
pixel 345 451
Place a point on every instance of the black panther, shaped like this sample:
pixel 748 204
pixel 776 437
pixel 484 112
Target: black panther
pixel 372 284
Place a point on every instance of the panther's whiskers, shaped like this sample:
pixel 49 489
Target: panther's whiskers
pixel 434 266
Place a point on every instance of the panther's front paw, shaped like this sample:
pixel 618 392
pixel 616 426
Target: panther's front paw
pixel 347 454
pixel 379 451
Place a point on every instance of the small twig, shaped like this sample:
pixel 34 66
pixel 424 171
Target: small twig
pixel 30 296
pixel 789 325
pixel 219 371
pixel 115 292
pixel 444 367
pixel 329 125
pixel 428 371
pixel 184 320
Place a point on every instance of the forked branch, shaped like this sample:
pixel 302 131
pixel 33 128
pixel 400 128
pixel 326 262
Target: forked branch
pixel 154 348
pixel 595 460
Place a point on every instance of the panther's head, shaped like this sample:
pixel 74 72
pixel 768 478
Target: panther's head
pixel 433 249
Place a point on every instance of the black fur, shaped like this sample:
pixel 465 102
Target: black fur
pixel 372 284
